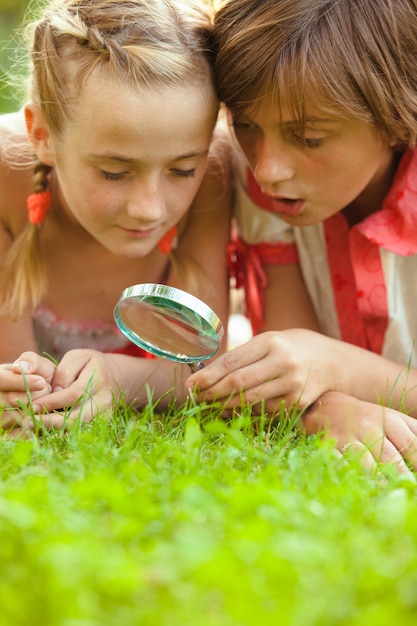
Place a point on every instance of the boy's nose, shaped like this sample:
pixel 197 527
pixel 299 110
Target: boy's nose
pixel 273 165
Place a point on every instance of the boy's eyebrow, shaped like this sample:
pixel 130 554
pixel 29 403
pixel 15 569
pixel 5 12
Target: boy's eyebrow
pixel 311 120
pixel 107 156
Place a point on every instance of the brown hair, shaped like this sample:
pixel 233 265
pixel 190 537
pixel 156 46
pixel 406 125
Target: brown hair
pixel 158 43
pixel 355 57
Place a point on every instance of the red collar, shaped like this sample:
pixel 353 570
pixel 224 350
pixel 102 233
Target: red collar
pixel 394 227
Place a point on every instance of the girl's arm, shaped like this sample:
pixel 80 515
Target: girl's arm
pixel 15 186
pixel 16 335
pixel 89 382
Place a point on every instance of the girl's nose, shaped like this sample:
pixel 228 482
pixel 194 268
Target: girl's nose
pixel 147 202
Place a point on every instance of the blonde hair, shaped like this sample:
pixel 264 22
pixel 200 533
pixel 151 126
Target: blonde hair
pixel 143 43
pixel 355 57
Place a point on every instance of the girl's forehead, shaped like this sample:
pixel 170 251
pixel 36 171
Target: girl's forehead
pixel 109 96
pixel 101 85
pixel 104 76
pixel 141 122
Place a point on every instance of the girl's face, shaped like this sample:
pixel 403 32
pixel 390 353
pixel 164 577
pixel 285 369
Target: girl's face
pixel 337 163
pixel 130 163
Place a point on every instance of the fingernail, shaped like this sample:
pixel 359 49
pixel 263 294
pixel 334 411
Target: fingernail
pixel 24 366
pixel 57 388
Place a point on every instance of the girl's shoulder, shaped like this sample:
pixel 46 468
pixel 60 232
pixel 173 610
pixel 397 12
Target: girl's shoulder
pixel 12 128
pixel 14 142
pixel 15 176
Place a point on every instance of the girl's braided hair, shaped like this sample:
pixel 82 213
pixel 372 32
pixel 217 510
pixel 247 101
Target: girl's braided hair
pixel 142 43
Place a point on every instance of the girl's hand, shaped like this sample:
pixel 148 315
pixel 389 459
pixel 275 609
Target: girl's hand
pixel 88 382
pixel 29 374
pixel 22 382
pixel 293 366
pixel 83 384
pixel 377 433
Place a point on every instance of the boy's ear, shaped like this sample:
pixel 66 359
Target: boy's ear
pixel 38 134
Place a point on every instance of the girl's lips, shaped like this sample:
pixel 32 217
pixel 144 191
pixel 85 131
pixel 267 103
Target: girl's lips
pixel 139 234
pixel 289 207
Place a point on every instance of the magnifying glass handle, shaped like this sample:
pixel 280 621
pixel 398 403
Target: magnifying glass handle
pixel 194 367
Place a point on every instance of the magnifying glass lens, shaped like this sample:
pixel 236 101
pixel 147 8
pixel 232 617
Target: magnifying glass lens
pixel 169 322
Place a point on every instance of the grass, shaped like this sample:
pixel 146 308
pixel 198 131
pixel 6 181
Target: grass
pixel 11 87
pixel 186 519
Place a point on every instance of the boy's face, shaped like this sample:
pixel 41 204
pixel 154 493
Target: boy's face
pixel 336 163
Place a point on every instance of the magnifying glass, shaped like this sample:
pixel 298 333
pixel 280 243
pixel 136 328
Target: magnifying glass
pixel 169 323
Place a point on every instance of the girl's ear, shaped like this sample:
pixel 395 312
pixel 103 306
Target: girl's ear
pixel 38 134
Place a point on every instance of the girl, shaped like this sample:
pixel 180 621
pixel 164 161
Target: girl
pixel 322 98
pixel 119 185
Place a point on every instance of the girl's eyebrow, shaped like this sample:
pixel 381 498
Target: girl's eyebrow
pixel 192 155
pixel 106 156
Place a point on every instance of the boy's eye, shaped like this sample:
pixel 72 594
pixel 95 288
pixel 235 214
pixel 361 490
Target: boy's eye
pixel 308 142
pixel 112 175
pixel 244 126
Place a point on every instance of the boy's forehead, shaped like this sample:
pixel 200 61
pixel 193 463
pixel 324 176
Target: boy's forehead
pixel 288 106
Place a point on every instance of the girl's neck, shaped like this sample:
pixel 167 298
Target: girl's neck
pixel 372 198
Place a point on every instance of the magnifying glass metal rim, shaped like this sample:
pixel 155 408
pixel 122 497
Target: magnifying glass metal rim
pixel 170 294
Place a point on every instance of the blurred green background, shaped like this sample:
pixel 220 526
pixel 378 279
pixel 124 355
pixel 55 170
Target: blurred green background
pixel 12 13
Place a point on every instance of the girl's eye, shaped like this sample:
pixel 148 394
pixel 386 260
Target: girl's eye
pixel 112 175
pixel 308 142
pixel 184 173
